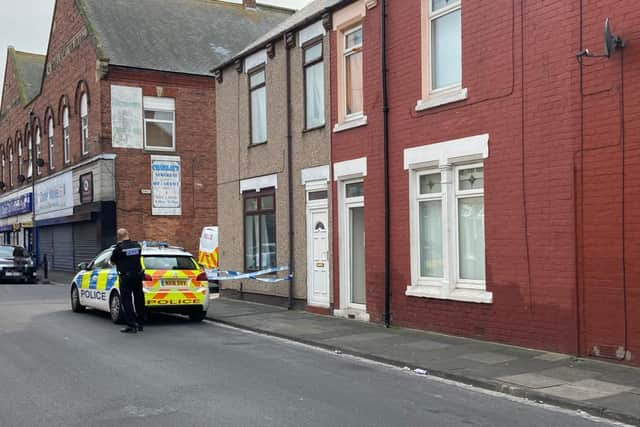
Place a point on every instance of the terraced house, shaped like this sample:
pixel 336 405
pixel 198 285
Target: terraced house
pixel 115 126
pixel 274 134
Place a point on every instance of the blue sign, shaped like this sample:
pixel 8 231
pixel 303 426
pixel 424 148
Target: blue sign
pixel 16 206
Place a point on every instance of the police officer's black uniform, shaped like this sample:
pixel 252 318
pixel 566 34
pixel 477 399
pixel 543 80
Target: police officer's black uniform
pixel 126 257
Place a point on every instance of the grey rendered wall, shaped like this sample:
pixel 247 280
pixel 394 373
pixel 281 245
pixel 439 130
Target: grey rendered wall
pixel 238 161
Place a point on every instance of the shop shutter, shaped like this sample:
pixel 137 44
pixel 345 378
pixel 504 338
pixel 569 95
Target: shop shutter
pixel 63 247
pixel 45 244
pixel 85 241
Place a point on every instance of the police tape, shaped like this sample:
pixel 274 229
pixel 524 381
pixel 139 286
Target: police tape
pixel 255 275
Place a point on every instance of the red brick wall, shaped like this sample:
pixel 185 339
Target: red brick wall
pixel 195 144
pixel 367 142
pixel 609 275
pixel 523 82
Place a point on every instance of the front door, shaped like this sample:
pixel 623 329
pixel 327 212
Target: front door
pixel 352 228
pixel 318 239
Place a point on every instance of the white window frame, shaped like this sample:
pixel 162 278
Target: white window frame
pixel 11 170
pixel 84 124
pixel 164 105
pixel 65 135
pixel 436 97
pixel 30 155
pixel 4 170
pixel 38 150
pixel 20 157
pixel 50 140
pixel 448 159
pixel 345 54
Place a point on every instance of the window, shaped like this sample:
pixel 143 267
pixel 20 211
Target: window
pixel 159 123
pixel 314 85
pixel 447 220
pixel 4 170
pixel 84 123
pixel 353 72
pixel 442 53
pixel 166 262
pixel 446 43
pixel 11 166
pixel 65 135
pixel 50 135
pixel 258 100
pixel 259 230
pixel 38 152
pixel 20 159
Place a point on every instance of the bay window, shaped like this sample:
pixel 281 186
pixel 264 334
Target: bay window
pixel 259 230
pixel 446 185
pixel 314 85
pixel 258 106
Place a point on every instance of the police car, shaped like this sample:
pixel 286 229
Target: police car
pixel 173 283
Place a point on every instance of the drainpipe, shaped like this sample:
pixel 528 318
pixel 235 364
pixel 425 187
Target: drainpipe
pixel 385 130
pixel 289 40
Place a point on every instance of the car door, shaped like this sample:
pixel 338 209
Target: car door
pixel 94 286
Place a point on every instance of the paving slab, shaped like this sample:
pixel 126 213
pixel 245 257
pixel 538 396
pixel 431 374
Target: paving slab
pixel 534 381
pixel 488 357
pixel 569 373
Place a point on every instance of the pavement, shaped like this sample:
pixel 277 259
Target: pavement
pixel 65 369
pixel 599 388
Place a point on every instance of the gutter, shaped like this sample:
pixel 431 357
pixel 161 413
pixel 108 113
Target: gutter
pixel 385 131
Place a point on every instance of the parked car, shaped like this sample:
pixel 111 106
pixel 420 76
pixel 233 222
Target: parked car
pixel 16 264
pixel 173 282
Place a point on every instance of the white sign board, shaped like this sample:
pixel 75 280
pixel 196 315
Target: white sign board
pixel 54 197
pixel 126 117
pixel 165 185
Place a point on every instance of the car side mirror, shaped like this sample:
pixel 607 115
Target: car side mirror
pixel 83 266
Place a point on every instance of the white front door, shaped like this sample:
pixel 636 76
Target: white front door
pixel 352 247
pixel 318 257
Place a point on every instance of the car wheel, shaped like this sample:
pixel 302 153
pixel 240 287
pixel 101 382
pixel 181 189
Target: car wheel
pixel 197 316
pixel 115 308
pixel 76 307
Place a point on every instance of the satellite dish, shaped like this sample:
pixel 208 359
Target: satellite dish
pixel 611 41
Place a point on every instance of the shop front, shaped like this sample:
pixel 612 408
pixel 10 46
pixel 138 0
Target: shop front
pixel 16 219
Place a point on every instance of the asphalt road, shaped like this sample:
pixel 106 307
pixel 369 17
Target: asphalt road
pixel 58 368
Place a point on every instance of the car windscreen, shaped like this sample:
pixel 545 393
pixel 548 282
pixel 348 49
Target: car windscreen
pixel 13 251
pixel 169 262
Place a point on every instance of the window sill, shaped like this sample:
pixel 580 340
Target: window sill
pixel 350 124
pixel 159 150
pixel 257 144
pixel 443 98
pixel 439 292
pixel 307 130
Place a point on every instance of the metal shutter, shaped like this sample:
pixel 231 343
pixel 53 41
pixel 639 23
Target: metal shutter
pixel 85 242
pixel 45 244
pixel 63 247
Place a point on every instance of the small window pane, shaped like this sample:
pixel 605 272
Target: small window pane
pixel 430 184
pixel 258 115
pixel 440 4
pixel 314 95
pixel 431 263
pixel 313 52
pixel 251 236
pixel 266 202
pixel 159 134
pixel 446 50
pixel 471 238
pixel 268 246
pixel 354 101
pixel 352 39
pixel 471 179
pixel 257 78
pixel 251 205
pixel 318 195
pixel 354 189
pixel 158 115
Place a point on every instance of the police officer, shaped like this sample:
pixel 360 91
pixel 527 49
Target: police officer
pixel 126 258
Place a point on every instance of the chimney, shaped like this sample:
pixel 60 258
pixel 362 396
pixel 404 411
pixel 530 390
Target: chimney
pixel 249 4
